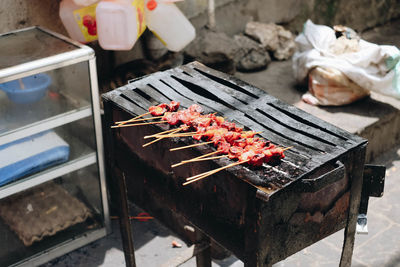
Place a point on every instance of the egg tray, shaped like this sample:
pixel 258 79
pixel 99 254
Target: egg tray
pixel 41 212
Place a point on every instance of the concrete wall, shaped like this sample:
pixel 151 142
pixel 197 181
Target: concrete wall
pixel 231 15
pixel 18 14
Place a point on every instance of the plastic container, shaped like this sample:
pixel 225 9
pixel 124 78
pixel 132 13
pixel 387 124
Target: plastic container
pixel 169 24
pixel 85 2
pixel 79 21
pixel 34 88
pixel 116 24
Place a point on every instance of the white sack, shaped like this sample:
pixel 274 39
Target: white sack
pixel 373 67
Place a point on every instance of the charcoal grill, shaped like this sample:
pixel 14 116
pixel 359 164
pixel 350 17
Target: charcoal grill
pixel 262 215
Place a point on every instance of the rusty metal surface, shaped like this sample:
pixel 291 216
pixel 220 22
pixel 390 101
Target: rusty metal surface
pixel 373 185
pixel 315 142
pixel 268 213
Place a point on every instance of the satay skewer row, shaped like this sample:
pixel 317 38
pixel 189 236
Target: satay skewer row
pixel 158 110
pixel 206 174
pixel 191 134
pixel 144 119
pixel 218 151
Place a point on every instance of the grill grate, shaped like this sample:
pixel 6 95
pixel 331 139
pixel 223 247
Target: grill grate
pixel 315 142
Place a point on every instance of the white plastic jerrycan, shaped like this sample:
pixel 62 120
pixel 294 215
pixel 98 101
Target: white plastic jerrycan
pixel 85 2
pixel 169 24
pixel 79 21
pixel 116 24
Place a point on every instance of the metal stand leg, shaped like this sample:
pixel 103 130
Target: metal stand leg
pixel 203 245
pixel 125 224
pixel 355 197
pixel 203 259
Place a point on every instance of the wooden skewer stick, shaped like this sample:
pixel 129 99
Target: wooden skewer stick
pixel 198 175
pixel 206 174
pixel 215 170
pixel 287 148
pixel 144 119
pixel 159 134
pixel 130 120
pixel 203 156
pixel 137 124
pixel 159 138
pixel 188 146
pixel 210 158
pixel 151 142
pixel 194 159
pixel 202 159
pixel 188 134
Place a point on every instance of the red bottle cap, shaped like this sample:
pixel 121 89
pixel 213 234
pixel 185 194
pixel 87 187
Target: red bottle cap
pixel 152 4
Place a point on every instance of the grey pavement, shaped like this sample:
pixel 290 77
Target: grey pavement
pixel 153 241
pixel 376 118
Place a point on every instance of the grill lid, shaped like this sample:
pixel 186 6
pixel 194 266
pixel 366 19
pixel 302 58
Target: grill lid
pixel 315 142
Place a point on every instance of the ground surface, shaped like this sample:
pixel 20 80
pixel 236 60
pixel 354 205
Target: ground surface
pixel 381 247
pixel 376 118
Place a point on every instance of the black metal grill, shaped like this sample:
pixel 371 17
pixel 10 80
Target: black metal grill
pixel 314 142
pixel 249 218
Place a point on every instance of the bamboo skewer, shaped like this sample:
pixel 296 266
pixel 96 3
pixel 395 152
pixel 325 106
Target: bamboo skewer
pixel 203 156
pixel 206 174
pixel 188 146
pixel 149 143
pixel 197 160
pixel 287 148
pixel 160 134
pixel 210 158
pixel 130 120
pixel 199 175
pixel 194 159
pixel 188 134
pixel 137 124
pixel 161 137
pixel 144 119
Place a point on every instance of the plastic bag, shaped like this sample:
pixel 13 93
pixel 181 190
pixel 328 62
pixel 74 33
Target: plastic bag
pixel 367 65
pixel 330 87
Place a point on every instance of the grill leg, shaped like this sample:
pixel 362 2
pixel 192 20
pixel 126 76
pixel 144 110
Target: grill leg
pixel 355 198
pixel 125 224
pixel 203 258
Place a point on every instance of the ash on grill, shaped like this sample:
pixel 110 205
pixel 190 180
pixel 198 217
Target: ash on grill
pixel 268 213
